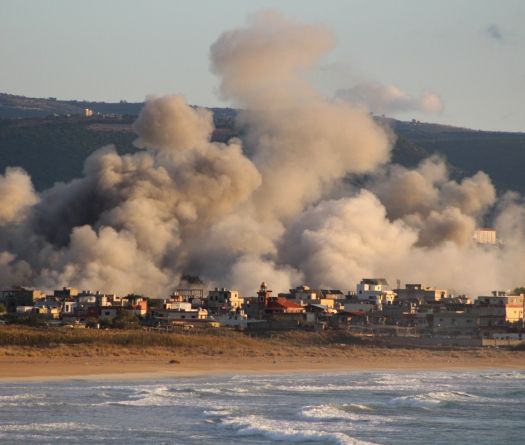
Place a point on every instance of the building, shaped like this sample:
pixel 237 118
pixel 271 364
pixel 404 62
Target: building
pixel 420 294
pixel 400 314
pixel 454 323
pixel 109 313
pixel 48 307
pixel 137 304
pixel 302 295
pixel 264 295
pixel 224 300
pixel 485 236
pixel 177 306
pixel 355 305
pixel 499 310
pixel 189 294
pixel 282 306
pixel 331 294
pixel 181 315
pixel 235 319
pixel 69 307
pixel 374 290
pixel 19 296
pixel 65 293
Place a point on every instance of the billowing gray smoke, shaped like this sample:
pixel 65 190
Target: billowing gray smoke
pixel 135 223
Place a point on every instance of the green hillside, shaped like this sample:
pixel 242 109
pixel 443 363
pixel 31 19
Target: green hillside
pixel 37 135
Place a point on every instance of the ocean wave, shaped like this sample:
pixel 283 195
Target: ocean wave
pixel 156 396
pixel 332 412
pixel 222 391
pixel 359 415
pixel 309 388
pixel 433 399
pixel 514 375
pixel 218 412
pixel 285 431
pixel 23 396
pixel 25 399
pixel 360 407
pixel 46 427
pixel 169 396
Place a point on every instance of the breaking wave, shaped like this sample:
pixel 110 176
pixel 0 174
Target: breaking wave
pixel 290 432
pixel 433 399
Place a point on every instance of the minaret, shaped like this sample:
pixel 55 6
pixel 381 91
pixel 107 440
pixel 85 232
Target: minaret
pixel 263 296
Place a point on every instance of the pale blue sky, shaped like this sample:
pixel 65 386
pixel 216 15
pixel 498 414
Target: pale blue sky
pixel 470 52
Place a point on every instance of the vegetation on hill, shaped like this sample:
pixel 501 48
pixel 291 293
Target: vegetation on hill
pixel 54 148
pixel 206 340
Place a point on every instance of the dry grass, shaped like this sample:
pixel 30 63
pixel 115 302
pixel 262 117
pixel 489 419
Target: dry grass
pixel 19 341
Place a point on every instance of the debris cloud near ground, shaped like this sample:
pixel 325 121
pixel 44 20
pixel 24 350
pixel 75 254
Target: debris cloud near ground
pixel 281 206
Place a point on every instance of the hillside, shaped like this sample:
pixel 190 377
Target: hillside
pixel 500 154
pixel 53 148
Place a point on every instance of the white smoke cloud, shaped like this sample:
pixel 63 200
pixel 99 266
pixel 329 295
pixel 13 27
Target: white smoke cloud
pixel 426 199
pixel 262 63
pixel 183 204
pixel 16 195
pixel 338 242
pixel 167 123
pixel 389 99
pixel 301 142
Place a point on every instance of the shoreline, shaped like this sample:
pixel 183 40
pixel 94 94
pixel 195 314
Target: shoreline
pixel 36 354
pixel 138 367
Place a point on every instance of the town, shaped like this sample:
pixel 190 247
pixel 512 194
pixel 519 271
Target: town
pixel 415 315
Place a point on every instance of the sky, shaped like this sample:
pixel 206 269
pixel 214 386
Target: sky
pixel 470 54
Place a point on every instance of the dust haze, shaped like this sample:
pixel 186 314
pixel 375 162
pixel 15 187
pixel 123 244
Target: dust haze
pixel 184 204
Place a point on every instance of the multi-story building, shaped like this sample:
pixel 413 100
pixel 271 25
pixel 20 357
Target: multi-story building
pixel 19 296
pixel 454 323
pixel 499 309
pixel 485 236
pixel 224 300
pixel 375 290
pixel 420 294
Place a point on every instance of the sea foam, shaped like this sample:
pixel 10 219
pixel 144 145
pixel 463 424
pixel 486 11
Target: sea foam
pixel 290 432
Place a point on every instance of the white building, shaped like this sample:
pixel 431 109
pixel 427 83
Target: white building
pixel 224 299
pixel 69 307
pixel 178 306
pixel 177 315
pixel 485 236
pixel 375 290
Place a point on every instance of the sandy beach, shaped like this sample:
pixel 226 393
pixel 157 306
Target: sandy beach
pixel 32 353
pixel 26 364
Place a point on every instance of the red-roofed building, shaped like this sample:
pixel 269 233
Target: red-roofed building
pixel 283 306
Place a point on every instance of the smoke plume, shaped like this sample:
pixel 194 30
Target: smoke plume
pixel 389 99
pixel 17 195
pixel 262 208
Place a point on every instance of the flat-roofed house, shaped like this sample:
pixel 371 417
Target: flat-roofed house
pixel 499 309
pixel 374 290
pixel 224 300
pixel 416 292
pixel 19 296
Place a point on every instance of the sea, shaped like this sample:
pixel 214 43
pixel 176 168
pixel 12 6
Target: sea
pixel 474 407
